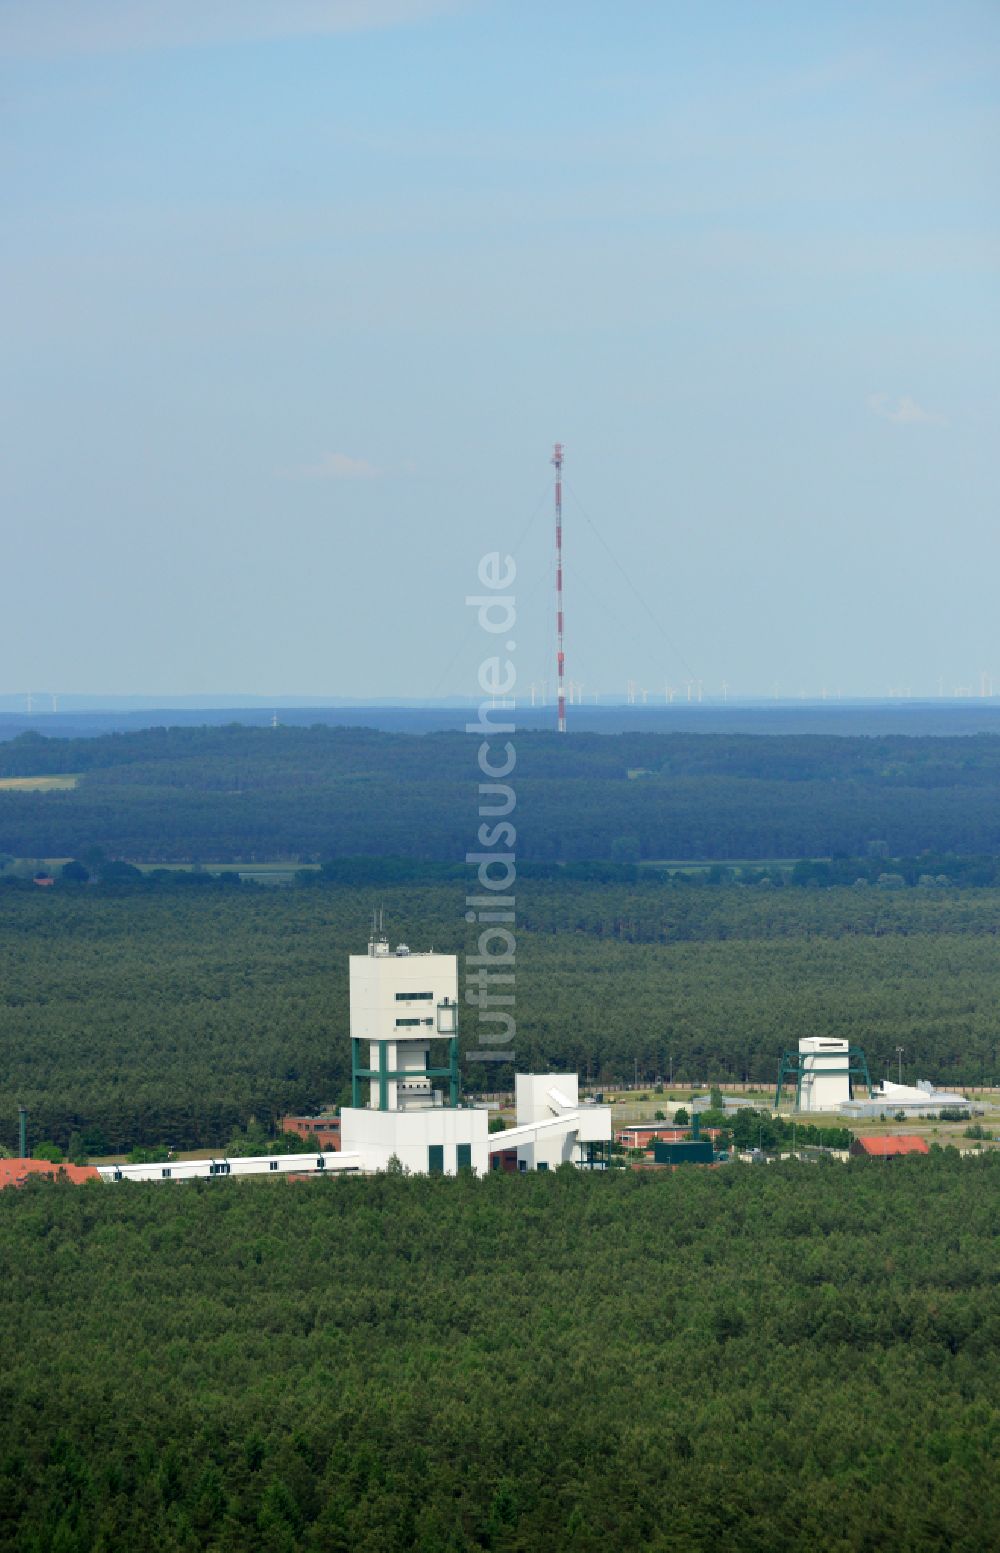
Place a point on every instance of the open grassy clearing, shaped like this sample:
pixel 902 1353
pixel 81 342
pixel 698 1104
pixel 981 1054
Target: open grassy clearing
pixel 243 869
pixel 38 784
pixel 699 865
pixel 277 871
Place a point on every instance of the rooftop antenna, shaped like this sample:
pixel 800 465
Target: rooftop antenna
pixel 376 943
pixel 557 459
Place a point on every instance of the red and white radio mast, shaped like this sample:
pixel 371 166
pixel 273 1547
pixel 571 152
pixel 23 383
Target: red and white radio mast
pixel 557 459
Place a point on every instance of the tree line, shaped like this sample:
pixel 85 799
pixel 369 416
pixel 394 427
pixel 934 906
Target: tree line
pixel 781 1359
pixel 240 794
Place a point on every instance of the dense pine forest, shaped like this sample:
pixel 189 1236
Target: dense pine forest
pixel 314 793
pixel 175 1015
pixel 790 1358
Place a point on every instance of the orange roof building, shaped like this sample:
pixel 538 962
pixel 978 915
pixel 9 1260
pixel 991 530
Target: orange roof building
pixel 15 1172
pixel 888 1146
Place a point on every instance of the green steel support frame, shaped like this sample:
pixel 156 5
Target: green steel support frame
pixel 597 1153
pixel 384 1073
pixel 793 1066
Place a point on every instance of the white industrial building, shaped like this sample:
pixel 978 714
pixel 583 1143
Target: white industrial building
pixel 915 1099
pixel 438 1140
pixel 406 1095
pixel 825 1083
pixel 401 1003
pixel 823 1069
pixel 404 1008
pixel 315 1163
pixel 551 1127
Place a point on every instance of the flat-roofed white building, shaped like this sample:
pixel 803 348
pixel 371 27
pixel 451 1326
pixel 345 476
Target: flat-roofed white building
pixel 825 1073
pixel 439 1140
pixel 552 1127
pixel 920 1099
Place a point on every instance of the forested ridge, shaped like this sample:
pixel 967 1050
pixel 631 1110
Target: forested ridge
pixel 791 1358
pixel 238 793
pixel 175 1017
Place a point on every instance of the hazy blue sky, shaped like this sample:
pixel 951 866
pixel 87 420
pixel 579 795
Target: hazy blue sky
pixel 298 294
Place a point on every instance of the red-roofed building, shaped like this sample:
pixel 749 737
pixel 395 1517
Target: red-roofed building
pixel 888 1147
pixel 323 1131
pixel 15 1172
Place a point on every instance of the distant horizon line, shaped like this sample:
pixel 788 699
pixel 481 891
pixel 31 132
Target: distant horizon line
pixel 49 704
